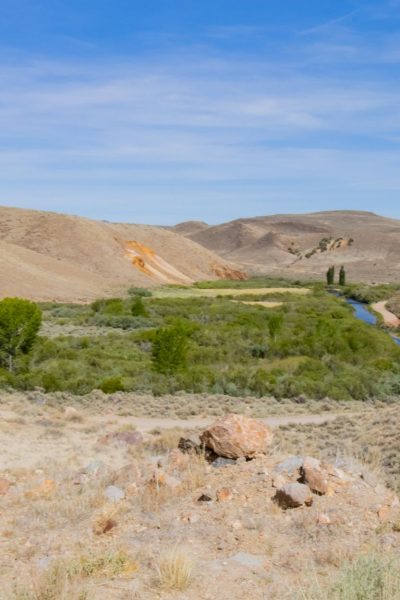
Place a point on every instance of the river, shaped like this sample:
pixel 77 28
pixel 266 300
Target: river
pixel 361 312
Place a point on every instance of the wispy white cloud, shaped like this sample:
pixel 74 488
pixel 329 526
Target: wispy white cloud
pixel 196 135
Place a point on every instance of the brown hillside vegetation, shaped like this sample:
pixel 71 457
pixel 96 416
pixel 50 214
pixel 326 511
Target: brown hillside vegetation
pixel 306 245
pixel 49 256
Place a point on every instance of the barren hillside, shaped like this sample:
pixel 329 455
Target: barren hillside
pixel 51 256
pixel 305 245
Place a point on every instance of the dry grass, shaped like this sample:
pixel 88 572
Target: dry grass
pixel 64 580
pixel 370 577
pixel 371 438
pixel 175 570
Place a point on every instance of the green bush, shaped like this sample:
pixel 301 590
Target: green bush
pixel 112 385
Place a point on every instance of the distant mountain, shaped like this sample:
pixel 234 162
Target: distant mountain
pixel 306 245
pixel 50 256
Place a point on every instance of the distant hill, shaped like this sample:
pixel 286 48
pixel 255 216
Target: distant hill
pixel 306 245
pixel 50 256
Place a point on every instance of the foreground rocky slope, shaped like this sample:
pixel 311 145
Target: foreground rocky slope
pixel 306 245
pixel 130 515
pixel 49 256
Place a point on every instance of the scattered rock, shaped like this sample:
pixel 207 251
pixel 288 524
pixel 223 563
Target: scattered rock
pixel 114 493
pixel 289 465
pixel 190 443
pixel 95 468
pixel 4 486
pixel 314 475
pixel 293 495
pixel 324 519
pixel 223 462
pixel 234 436
pixel 224 494
pixel 384 513
pixel 204 498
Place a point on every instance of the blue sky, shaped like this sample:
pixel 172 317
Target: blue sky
pixel 162 111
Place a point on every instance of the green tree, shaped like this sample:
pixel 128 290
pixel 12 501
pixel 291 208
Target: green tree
pixel 138 308
pixel 330 276
pixel 169 350
pixel 342 276
pixel 20 322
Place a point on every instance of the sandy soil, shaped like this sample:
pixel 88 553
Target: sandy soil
pixel 389 318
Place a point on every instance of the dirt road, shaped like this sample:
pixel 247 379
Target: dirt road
pixel 148 424
pixel 389 318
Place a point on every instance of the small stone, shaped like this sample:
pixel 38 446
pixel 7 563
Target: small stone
pixel 236 525
pixel 4 486
pixel 204 498
pixel 224 494
pixel 114 493
pixel 293 495
pixel 190 444
pixel 289 465
pixel 223 462
pixel 324 519
pixel 384 513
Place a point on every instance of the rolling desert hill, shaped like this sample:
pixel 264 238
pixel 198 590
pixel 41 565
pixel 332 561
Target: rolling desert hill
pixel 305 245
pixel 50 256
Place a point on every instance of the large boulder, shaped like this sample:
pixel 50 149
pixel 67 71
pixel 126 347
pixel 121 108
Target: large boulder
pixel 236 436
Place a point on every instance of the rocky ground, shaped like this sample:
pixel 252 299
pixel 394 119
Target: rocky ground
pixel 94 509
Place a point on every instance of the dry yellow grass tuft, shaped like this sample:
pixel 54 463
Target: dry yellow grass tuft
pixel 175 570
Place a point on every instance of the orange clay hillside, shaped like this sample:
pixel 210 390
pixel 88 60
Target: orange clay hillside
pixel 49 256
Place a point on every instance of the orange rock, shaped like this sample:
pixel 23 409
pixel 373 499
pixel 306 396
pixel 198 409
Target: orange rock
pixel 44 490
pixel 224 494
pixel 314 475
pixel 234 436
pixel 384 513
pixel 4 486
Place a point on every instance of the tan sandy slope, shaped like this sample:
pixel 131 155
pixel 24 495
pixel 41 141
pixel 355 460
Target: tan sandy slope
pixel 51 256
pixel 305 245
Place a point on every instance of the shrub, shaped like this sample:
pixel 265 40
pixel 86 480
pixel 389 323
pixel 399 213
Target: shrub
pixel 112 385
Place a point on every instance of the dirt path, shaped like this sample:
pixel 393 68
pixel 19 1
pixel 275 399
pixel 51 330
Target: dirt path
pixel 389 318
pixel 34 443
pixel 148 424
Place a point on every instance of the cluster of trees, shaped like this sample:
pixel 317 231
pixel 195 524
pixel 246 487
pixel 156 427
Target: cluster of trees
pixel 330 276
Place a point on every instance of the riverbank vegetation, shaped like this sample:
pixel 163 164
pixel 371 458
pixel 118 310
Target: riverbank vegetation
pixel 311 345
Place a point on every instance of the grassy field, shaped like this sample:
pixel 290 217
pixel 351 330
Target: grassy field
pixel 193 292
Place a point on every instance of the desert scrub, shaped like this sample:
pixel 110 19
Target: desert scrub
pixel 370 577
